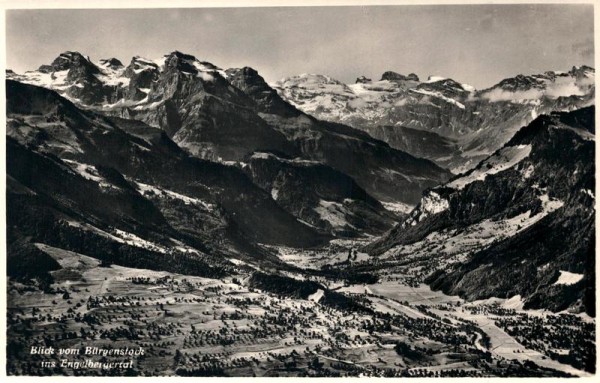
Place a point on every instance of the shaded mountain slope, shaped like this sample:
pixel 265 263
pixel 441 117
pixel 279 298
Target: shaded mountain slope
pixel 44 121
pixel 386 173
pixel 540 188
pixel 319 195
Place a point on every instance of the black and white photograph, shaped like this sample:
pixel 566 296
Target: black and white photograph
pixel 354 189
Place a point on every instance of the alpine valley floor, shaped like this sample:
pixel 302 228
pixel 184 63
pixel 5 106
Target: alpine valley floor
pixel 247 325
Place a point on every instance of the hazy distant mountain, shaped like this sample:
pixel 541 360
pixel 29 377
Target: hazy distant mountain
pixel 476 123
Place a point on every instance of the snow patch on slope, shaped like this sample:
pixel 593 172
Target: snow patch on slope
pixel 397 207
pixel 588 192
pixel 435 79
pixel 440 96
pixel 567 278
pixel 89 172
pixel 133 240
pixel 504 159
pixel 275 193
pixel 55 80
pixel 145 189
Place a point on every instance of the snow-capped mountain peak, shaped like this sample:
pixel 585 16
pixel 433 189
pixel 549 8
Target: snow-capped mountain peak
pixel 478 122
pixel 106 83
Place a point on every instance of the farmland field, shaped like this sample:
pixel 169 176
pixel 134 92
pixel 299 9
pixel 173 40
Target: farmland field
pixel 188 325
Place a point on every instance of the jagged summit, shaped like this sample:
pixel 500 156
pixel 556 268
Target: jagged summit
pixel 254 85
pixel 111 63
pixel 79 69
pixel 580 76
pixel 68 60
pixel 109 82
pixel 519 82
pixel 175 61
pixel 481 119
pixel 446 86
pixel 141 63
pixel 182 56
pixel 582 71
pixel 247 79
pixel 394 76
pixel 183 62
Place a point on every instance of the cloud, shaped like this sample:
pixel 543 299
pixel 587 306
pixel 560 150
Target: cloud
pixel 497 95
pixel 560 87
pixel 563 87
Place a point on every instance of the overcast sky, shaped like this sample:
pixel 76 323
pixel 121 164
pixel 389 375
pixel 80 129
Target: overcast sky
pixel 475 44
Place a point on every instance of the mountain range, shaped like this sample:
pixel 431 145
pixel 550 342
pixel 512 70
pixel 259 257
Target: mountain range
pixel 208 169
pixel 441 119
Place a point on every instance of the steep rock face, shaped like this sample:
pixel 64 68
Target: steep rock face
pixel 141 74
pixel 479 121
pixel 146 161
pixel 539 188
pixel 445 87
pixel 386 173
pixel 250 82
pixel 71 60
pixel 80 79
pixel 319 195
pixel 112 63
pixel 203 113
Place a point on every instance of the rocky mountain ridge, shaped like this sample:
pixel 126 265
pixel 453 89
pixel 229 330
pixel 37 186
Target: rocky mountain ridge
pixel 227 115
